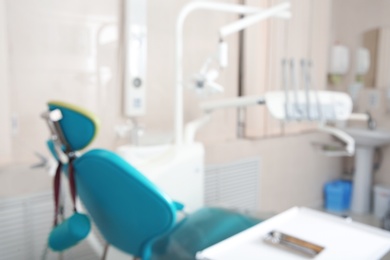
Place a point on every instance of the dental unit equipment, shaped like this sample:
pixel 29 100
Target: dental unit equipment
pixel 131 213
pixel 293 104
pixel 178 166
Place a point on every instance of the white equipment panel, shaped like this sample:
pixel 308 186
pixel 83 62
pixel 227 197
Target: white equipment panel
pixel 314 105
pixel 136 56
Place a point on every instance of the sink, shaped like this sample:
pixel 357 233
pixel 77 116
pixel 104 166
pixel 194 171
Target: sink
pixel 366 142
pixel 370 138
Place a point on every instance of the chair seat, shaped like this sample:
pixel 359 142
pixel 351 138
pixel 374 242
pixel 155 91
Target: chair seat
pixel 198 231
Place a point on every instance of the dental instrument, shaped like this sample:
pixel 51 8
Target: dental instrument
pixel 306 78
pixel 328 237
pixel 297 245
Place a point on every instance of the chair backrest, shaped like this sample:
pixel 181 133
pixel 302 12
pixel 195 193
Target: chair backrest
pixel 129 210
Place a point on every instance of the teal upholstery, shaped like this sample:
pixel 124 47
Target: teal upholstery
pixel 70 232
pixel 198 231
pixel 130 212
pixel 78 126
pixel 128 209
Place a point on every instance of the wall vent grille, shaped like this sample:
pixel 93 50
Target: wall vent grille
pixel 234 185
pixel 24 227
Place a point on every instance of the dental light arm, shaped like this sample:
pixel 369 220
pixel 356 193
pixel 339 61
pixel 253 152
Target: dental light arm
pixel 205 81
pixel 209 107
pixel 221 7
pixel 192 128
pixel 239 102
pixel 280 11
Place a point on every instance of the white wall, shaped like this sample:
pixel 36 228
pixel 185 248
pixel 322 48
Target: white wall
pixel 292 172
pixel 53 57
pixel 350 19
pixel 5 122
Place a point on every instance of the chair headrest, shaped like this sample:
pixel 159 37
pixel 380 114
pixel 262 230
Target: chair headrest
pixel 79 126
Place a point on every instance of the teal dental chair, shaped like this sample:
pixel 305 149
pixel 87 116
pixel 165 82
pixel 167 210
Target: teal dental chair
pixel 132 213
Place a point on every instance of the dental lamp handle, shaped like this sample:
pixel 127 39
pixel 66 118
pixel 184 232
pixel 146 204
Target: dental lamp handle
pixel 295 90
pixel 223 53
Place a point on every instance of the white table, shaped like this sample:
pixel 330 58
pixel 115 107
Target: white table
pixel 342 238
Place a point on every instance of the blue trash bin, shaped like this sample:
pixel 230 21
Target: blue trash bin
pixel 338 195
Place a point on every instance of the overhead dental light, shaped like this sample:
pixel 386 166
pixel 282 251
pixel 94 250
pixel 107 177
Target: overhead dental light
pixel 204 82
